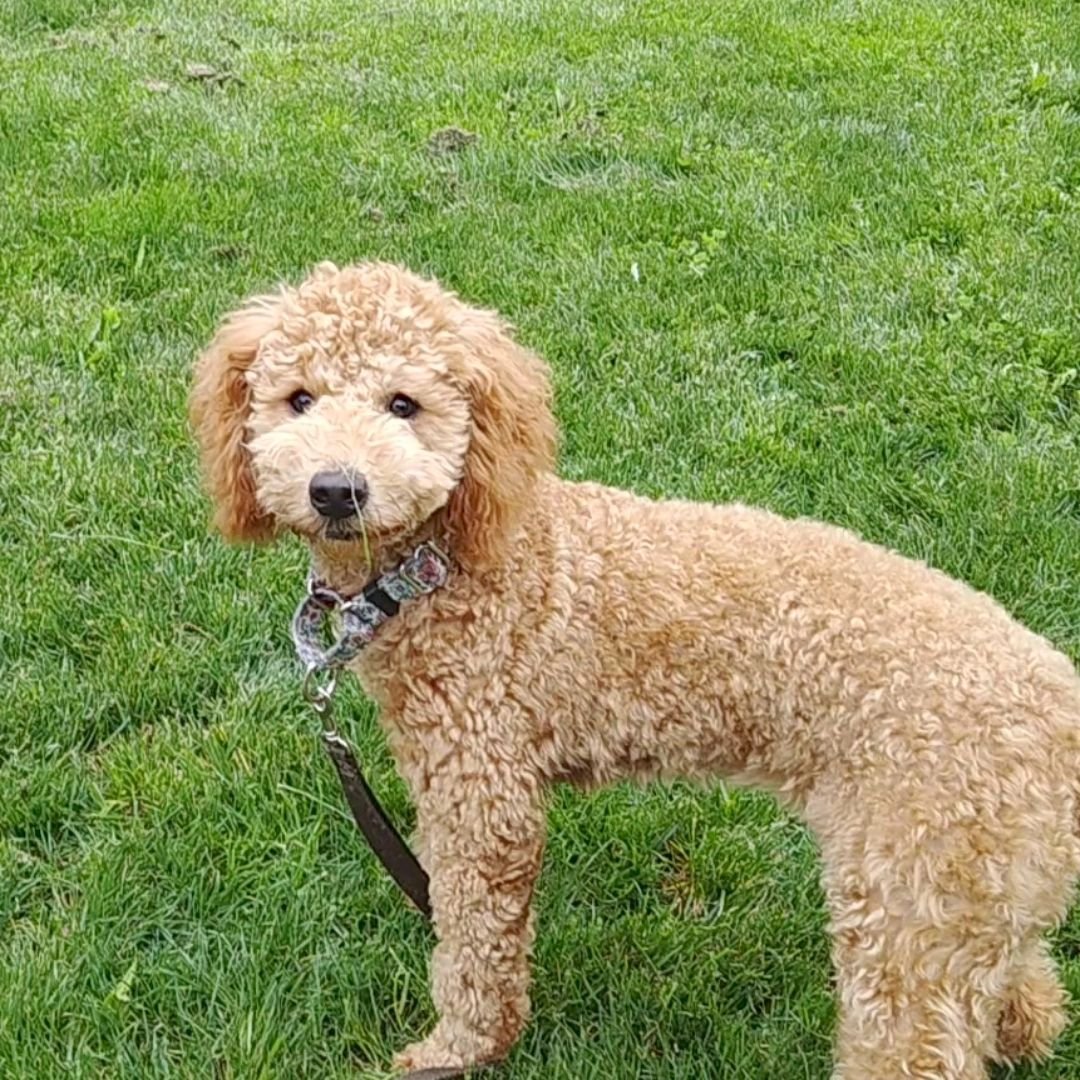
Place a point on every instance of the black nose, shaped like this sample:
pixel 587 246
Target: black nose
pixel 337 495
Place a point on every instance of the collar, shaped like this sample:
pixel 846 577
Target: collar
pixel 420 573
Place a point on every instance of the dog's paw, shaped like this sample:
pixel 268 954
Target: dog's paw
pixel 430 1053
pixel 440 1050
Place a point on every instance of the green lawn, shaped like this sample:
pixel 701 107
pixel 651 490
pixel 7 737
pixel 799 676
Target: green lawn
pixel 822 256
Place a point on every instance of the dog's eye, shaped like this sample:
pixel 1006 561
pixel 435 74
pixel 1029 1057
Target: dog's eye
pixel 402 405
pixel 301 401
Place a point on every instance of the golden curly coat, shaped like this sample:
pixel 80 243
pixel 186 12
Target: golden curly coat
pixel 930 742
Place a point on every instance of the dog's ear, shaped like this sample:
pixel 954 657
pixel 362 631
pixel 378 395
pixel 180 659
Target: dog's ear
pixel 219 407
pixel 512 441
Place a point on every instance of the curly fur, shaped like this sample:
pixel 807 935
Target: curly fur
pixel 220 402
pixel 930 742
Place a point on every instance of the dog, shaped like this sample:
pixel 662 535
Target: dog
pixel 585 634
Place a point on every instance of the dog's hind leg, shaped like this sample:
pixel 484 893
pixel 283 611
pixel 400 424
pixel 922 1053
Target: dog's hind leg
pixel 921 950
pixel 1033 1014
pixel 904 1013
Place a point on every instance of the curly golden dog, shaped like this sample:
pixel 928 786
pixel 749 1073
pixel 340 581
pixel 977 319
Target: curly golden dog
pixel 585 634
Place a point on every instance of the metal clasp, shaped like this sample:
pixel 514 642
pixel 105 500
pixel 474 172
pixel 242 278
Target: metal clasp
pixel 318 690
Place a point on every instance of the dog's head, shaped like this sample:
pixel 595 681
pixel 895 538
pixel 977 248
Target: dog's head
pixel 358 406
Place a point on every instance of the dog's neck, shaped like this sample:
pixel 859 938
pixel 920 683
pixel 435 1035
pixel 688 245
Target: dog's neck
pixel 348 566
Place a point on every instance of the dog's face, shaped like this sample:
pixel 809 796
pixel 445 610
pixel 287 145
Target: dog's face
pixel 358 406
pixel 349 441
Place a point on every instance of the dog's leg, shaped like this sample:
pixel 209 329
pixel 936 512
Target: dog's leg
pixel 917 1001
pixel 921 946
pixel 482 823
pixel 896 1029
pixel 1034 1011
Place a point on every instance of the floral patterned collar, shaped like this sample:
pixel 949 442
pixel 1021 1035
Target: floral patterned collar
pixel 420 573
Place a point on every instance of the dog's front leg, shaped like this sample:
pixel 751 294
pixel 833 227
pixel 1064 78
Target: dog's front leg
pixel 482 823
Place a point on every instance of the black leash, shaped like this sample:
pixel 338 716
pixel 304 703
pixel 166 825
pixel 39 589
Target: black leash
pixel 383 839
pixel 371 819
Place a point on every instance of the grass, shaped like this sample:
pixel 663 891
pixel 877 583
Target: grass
pixel 821 256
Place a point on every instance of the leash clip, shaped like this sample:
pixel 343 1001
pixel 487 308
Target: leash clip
pixel 319 694
pixel 308 624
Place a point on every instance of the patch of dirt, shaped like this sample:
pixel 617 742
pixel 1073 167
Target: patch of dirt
pixel 450 140
pixel 210 75
pixel 229 252
pixel 679 884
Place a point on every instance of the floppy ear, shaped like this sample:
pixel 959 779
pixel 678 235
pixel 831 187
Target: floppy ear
pixel 219 407
pixel 512 442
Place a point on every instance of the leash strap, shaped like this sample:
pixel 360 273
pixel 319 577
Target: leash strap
pixel 390 849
